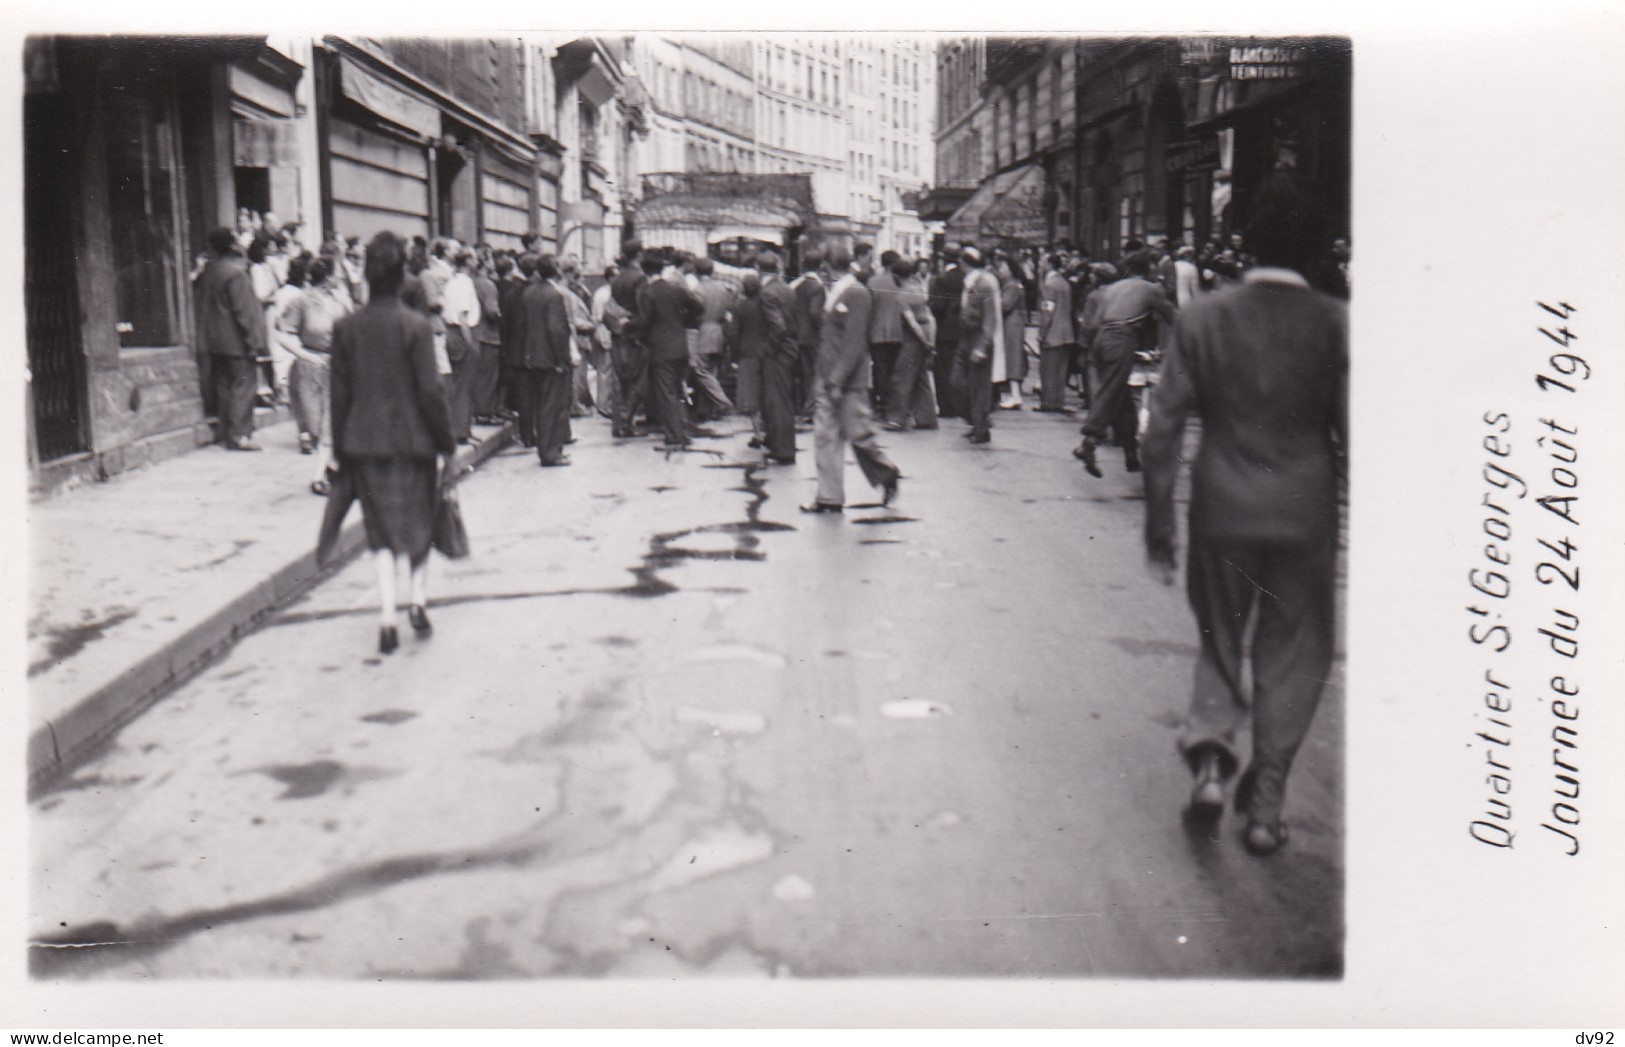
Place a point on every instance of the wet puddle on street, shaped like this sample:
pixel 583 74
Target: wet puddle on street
pixel 306 780
pixel 389 717
pixel 724 723
pixel 738 652
pixel 715 851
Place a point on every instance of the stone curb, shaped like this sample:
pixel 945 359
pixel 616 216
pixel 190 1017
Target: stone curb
pixel 59 744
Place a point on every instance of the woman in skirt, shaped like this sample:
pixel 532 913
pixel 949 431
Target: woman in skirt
pixel 391 430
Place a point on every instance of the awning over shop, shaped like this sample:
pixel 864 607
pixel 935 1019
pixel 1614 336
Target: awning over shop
pixel 708 219
pixel 388 101
pixel 1007 207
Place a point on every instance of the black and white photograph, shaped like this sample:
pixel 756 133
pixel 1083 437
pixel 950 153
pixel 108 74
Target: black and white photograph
pixel 768 508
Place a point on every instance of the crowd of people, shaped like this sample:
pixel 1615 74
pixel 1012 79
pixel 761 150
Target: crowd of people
pixel 389 352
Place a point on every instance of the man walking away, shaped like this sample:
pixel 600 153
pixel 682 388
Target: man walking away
pixel 1055 338
pixel 1112 326
pixel 1264 366
pixel 546 362
pixel 946 290
pixel 809 292
pixel 666 312
pixel 630 355
pixel 231 332
pixel 885 330
pixel 780 359
pixel 981 338
pixel 710 402
pixel 842 395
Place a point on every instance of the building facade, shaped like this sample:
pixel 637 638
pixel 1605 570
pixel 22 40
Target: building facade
pixel 1097 142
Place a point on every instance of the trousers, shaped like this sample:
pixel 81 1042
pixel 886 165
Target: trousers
pixel 666 392
pixel 841 417
pixel 547 403
pixel 778 404
pixel 979 392
pixel 1288 589
pixel 1111 405
pixel 234 382
pixel 1053 361
pixel 631 372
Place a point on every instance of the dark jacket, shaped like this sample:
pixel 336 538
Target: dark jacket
pixel 747 328
pixel 489 331
pixel 946 287
pixel 544 331
pixel 1265 367
pixel 664 315
pixel 843 352
pixel 779 313
pixel 809 294
pixel 386 390
pixel 231 321
pixel 510 325
pixel 886 318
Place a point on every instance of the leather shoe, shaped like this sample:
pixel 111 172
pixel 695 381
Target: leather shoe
pixel 1207 799
pixel 244 444
pixel 755 443
pixel 980 438
pixel 553 463
pixel 418 615
pixel 1085 453
pixel 822 507
pixel 1264 838
pixel 888 491
pixel 388 639
pixel 778 459
pixel 1131 458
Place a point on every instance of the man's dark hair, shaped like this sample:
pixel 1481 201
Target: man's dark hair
pixel 811 259
pixel 630 251
pixel 862 248
pixel 839 260
pixel 222 241
pixel 547 266
pixel 1136 264
pixel 317 272
pixel 888 257
pixel 901 267
pixel 1284 223
pixel 257 247
pixel 386 264
pixel 767 262
pixel 503 264
pixel 609 272
pixel 652 263
pixel 297 269
pixel 704 267
pixel 527 264
pixel 1057 260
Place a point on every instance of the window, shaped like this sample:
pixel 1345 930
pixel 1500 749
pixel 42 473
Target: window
pixel 141 199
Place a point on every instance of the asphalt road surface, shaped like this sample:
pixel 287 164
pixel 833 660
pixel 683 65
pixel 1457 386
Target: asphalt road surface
pixel 668 725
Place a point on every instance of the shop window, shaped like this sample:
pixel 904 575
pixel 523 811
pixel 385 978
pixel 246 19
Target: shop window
pixel 141 202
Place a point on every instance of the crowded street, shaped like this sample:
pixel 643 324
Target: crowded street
pixel 668 725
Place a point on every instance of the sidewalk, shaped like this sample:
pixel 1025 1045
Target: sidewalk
pixel 140 581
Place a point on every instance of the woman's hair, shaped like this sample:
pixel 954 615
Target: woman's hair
pixel 297 270
pixel 386 264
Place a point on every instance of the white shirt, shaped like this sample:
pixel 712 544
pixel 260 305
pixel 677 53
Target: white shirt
pixel 461 304
pixel 832 299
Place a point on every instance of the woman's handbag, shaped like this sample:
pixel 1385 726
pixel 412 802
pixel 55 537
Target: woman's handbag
pixel 449 535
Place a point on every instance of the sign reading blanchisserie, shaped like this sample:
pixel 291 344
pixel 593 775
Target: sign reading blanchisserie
pixel 1269 62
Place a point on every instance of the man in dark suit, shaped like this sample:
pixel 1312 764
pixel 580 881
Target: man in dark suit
pixel 945 291
pixel 231 332
pixel 779 362
pixel 1116 321
pixel 809 295
pixel 545 338
pixel 885 329
pixel 626 347
pixel 510 296
pixel 1264 365
pixel 666 311
pixel 842 396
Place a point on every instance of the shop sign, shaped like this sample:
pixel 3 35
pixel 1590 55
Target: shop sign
pixel 1200 154
pixel 1269 62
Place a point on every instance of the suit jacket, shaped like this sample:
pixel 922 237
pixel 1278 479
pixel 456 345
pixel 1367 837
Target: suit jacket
pixel 510 321
pixel 1264 365
pixel 809 292
pixel 231 320
pixel 624 288
pixel 945 291
pixel 1055 327
pixel 779 313
pixel 544 328
pixel 981 314
pixel 747 328
pixel 843 348
pixel 886 317
pixel 387 400
pixel 665 314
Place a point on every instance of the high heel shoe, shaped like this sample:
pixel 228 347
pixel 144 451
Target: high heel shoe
pixel 419 617
pixel 388 639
